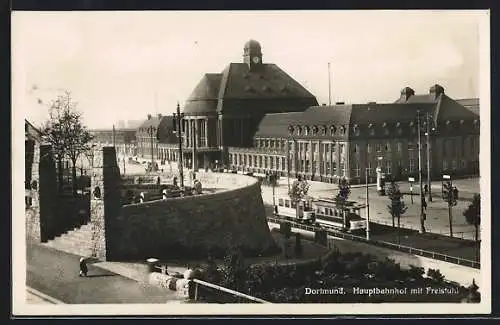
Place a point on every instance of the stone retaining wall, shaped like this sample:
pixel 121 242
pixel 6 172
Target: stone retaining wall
pixel 195 226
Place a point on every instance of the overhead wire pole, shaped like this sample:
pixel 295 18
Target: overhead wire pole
pixel 194 149
pixel 422 197
pixel 329 86
pixel 178 121
pixel 429 157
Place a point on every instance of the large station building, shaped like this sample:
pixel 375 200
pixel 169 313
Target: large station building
pixel 253 117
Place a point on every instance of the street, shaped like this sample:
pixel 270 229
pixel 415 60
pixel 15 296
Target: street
pixel 437 211
pixel 55 273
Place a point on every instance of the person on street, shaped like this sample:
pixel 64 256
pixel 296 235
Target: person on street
pixel 83 267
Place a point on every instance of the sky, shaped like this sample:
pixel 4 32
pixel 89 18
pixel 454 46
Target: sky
pixel 124 65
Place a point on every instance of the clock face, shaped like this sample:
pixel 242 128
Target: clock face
pixel 256 59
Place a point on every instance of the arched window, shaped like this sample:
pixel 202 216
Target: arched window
pixel 333 129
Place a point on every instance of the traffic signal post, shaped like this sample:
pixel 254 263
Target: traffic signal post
pixel 450 195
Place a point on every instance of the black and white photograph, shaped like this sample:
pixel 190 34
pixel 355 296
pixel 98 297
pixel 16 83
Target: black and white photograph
pixel 251 162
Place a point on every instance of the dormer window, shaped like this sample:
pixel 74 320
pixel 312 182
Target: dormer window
pixel 290 129
pixel 342 129
pixel 372 129
pixel 332 130
pixel 299 130
pixel 323 130
pixel 307 131
pixel 315 130
pixel 355 128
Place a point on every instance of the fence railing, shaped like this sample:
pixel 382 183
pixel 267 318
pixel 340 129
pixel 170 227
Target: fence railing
pixel 214 293
pixel 465 235
pixel 385 244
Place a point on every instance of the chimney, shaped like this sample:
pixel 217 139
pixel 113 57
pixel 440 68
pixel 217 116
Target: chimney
pixel 159 116
pixel 406 93
pixel 435 91
pixel 339 103
pixel 323 104
pixel 372 103
pixel 149 116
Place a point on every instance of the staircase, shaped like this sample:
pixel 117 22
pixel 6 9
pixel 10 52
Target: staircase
pixel 78 241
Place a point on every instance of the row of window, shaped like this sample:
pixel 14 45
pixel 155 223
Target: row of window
pixel 385 129
pixel 450 146
pixel 330 168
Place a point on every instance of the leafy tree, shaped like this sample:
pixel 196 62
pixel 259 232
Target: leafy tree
pixel 66 133
pixel 397 207
pixel 342 196
pixel 233 270
pixel 298 191
pixel 473 214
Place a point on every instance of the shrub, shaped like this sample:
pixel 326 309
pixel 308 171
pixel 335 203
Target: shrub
pixel 435 275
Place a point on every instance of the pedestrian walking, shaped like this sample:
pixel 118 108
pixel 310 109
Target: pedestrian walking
pixel 83 267
pixel 426 189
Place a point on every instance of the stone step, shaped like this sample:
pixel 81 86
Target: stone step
pixel 79 235
pixel 77 250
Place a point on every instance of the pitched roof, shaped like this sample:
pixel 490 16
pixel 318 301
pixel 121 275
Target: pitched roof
pixel 420 99
pixel 268 81
pixel 204 97
pixel 268 89
pixel 276 124
pixel 450 109
pixel 470 103
pixel 154 121
pixel 31 132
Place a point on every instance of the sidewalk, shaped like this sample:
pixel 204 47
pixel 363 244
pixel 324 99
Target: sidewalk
pixel 55 274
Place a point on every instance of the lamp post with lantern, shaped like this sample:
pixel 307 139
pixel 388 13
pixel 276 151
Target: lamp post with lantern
pixel 178 119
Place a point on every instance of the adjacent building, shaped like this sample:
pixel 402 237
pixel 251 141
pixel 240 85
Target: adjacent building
pixel 254 117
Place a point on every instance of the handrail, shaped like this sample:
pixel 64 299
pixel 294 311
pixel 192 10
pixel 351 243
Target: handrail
pixel 398 247
pixel 234 293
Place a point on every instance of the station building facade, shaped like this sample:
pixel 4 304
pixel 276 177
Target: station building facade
pixel 254 117
pixel 325 143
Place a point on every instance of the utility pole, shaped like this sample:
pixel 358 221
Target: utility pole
pixel 113 135
pixel 367 207
pixel 329 86
pixel 422 197
pixel 429 156
pixel 178 122
pixel 151 137
pixel 194 149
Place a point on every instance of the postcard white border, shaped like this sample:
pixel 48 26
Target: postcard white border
pixel 21 308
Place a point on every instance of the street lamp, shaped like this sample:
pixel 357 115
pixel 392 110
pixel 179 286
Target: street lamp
pixel 380 187
pixel 151 131
pixel 428 136
pixel 422 197
pixel 411 180
pixel 367 206
pixel 178 118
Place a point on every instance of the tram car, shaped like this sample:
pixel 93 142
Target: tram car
pixel 328 215
pixel 288 209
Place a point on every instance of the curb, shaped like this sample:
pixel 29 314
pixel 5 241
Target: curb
pixel 44 296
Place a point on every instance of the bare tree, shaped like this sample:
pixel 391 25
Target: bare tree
pixel 66 133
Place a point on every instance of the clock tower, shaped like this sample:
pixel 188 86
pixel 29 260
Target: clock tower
pixel 252 54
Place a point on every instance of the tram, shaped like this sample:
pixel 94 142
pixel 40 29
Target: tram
pixel 328 215
pixel 288 209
